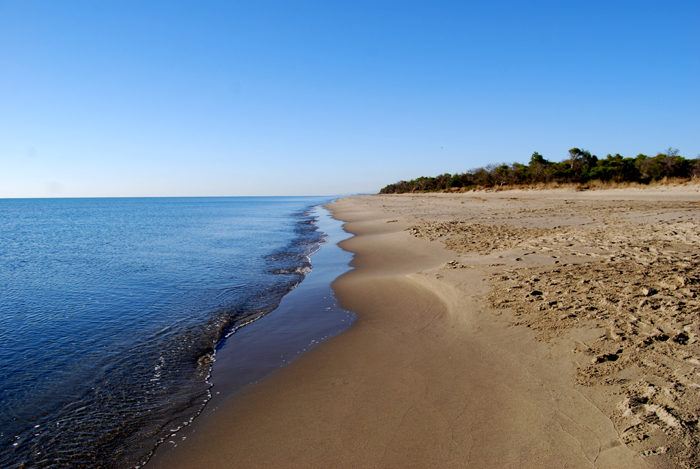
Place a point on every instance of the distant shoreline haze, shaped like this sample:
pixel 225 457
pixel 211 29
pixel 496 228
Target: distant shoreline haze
pixel 580 167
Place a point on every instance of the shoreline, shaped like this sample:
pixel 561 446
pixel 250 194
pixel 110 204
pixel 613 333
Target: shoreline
pixel 431 372
pixel 306 316
pixel 112 344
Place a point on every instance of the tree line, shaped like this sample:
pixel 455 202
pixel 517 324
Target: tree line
pixel 580 167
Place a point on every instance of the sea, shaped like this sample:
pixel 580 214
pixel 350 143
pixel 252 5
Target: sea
pixel 113 311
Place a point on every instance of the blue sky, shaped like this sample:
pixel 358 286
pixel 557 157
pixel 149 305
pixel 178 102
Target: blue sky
pixel 150 98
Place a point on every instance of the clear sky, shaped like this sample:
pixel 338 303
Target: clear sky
pixel 130 98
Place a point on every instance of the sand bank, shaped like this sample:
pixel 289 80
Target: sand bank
pixel 454 360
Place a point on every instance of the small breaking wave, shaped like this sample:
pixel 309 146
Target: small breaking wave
pixel 296 262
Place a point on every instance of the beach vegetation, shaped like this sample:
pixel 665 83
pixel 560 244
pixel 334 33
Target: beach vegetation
pixel 579 167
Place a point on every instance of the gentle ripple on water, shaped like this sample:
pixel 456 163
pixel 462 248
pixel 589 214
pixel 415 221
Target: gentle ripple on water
pixel 110 310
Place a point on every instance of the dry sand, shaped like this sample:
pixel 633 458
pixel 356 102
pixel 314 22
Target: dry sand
pixel 507 329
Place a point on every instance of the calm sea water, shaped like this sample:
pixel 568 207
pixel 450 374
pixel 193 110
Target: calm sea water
pixel 110 311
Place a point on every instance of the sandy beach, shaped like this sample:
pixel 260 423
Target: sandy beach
pixel 550 328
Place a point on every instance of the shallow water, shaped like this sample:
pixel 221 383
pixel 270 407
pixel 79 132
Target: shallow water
pixel 307 316
pixel 111 309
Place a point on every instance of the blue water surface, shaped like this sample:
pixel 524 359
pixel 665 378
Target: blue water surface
pixel 110 310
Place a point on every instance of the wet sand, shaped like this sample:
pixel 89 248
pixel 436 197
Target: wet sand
pixel 459 358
